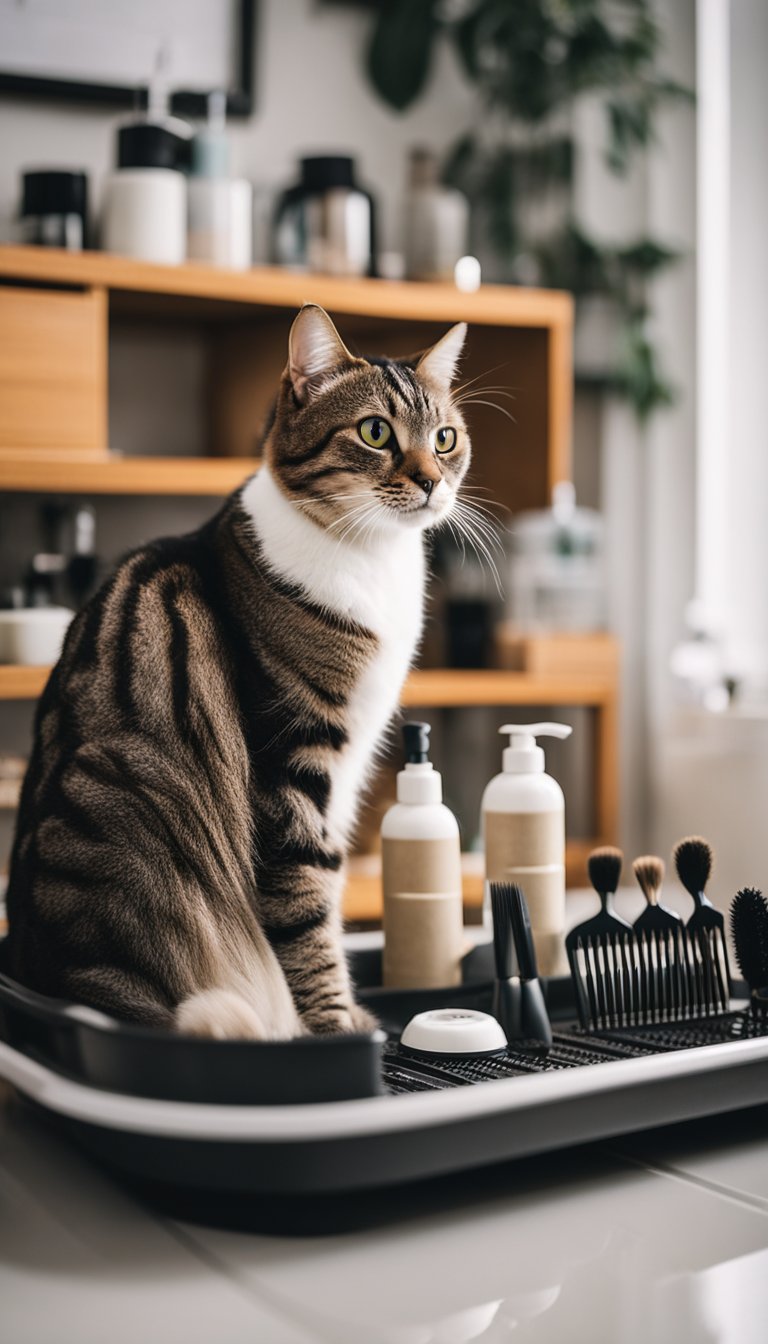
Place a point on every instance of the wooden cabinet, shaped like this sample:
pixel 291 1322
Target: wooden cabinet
pixel 53 372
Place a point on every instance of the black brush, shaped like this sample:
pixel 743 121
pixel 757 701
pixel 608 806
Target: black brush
pixel 749 926
pixel 707 952
pixel 601 952
pixel 518 1002
pixel 661 948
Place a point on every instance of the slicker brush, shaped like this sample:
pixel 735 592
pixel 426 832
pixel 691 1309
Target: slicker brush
pixel 709 977
pixel 662 961
pixel 749 926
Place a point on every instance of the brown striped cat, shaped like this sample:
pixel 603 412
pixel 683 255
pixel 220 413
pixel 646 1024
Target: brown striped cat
pixel 202 744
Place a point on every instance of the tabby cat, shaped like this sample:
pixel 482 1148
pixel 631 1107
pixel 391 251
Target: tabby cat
pixel 202 744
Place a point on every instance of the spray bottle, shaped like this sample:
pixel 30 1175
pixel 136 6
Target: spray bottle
pixel 523 812
pixel 421 860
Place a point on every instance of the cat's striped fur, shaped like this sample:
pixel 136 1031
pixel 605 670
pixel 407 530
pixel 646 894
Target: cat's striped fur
pixel 201 746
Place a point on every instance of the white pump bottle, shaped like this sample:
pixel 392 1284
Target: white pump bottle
pixel 523 812
pixel 421 869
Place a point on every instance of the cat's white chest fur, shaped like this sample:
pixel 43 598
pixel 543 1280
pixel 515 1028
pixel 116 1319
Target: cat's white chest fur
pixel 379 585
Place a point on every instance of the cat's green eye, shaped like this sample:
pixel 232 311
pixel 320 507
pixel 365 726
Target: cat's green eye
pixel 445 439
pixel 374 431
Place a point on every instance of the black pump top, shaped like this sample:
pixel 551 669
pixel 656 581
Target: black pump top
pixel 416 742
pixel 144 144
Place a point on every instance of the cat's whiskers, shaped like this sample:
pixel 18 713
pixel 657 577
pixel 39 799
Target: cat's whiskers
pixel 480 536
pixel 482 401
pixel 355 522
pixel 487 372
pixel 350 517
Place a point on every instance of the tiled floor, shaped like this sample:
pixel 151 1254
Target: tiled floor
pixel 659 1239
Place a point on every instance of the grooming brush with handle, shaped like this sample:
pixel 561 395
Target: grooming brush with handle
pixel 601 952
pixel 661 951
pixel 708 973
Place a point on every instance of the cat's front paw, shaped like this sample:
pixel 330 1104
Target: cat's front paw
pixel 347 1021
pixel 362 1019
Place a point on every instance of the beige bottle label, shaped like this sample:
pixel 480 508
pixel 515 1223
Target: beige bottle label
pixel 423 913
pixel 520 847
pixel 522 839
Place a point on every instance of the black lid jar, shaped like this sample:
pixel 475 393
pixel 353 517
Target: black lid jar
pixel 54 208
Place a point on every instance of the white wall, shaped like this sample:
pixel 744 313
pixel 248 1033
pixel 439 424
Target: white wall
pixel 311 96
pixel 647 472
pixel 747 446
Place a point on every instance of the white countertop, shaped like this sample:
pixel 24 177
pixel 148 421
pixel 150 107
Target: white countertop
pixel 661 1238
pixel 657 1239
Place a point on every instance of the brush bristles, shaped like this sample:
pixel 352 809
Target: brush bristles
pixel 502 906
pixel 649 871
pixel 604 868
pixel 749 926
pixel 693 861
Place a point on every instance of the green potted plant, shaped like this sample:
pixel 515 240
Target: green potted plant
pixel 529 61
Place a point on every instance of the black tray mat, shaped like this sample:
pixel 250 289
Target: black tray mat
pixel 408 1071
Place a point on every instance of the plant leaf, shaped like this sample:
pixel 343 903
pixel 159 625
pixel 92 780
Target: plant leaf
pixel 400 52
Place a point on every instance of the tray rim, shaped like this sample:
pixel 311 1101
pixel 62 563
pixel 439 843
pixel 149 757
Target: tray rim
pixel 365 1116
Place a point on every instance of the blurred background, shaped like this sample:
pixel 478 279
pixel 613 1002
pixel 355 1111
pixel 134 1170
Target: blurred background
pixel 612 149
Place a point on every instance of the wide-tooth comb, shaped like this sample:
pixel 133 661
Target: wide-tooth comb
pixel 708 974
pixel 601 952
pixel 663 963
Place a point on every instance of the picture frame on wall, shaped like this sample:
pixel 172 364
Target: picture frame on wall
pixel 79 51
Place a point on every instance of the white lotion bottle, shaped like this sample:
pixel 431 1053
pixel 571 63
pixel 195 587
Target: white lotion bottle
pixel 144 211
pixel 421 864
pixel 220 207
pixel 523 815
pixel 436 224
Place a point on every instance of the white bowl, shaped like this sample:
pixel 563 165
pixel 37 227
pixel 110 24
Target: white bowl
pixel 454 1031
pixel 33 636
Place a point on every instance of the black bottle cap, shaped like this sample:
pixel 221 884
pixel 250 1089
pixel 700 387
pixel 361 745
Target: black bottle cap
pixel 416 742
pixel 322 171
pixel 54 192
pixel 142 144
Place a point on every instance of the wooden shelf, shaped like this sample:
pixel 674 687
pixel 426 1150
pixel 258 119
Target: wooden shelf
pixel 494 305
pixel 434 687
pixel 22 683
pixel 448 687
pixel 68 474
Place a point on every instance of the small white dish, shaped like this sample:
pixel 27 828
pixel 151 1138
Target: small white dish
pixel 454 1031
pixel 33 636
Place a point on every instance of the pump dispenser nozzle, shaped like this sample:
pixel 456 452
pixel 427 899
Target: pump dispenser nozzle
pixel 418 782
pixel 522 755
pixel 416 742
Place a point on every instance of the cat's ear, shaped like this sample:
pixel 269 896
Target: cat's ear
pixel 438 365
pixel 315 350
